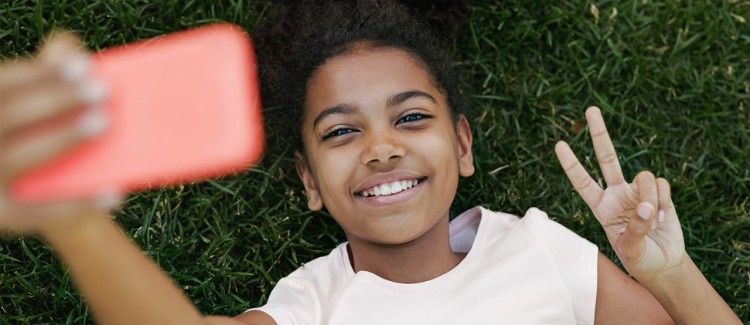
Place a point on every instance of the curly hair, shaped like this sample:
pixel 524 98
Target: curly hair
pixel 305 34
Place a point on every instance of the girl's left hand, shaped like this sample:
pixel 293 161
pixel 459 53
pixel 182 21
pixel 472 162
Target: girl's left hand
pixel 639 218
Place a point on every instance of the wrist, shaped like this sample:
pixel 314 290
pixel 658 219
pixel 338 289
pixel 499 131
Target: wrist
pixel 72 229
pixel 682 269
pixel 688 297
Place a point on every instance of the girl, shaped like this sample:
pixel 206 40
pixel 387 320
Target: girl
pixel 381 145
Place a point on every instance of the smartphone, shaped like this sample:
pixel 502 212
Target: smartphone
pixel 181 107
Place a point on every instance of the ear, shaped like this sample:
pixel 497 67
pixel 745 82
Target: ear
pixel 314 202
pixel 465 157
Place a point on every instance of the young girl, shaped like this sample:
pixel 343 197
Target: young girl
pixel 381 145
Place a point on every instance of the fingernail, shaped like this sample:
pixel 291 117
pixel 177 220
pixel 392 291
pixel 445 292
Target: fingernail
pixel 75 68
pixel 660 216
pixel 93 122
pixel 108 199
pixel 92 91
pixel 644 211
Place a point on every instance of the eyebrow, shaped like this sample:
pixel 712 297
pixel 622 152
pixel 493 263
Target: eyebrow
pixel 402 97
pixel 338 109
pixel 392 101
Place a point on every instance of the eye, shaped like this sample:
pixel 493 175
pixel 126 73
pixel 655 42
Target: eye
pixel 412 117
pixel 337 132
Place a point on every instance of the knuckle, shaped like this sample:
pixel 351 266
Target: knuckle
pixel 570 166
pixel 607 157
pixel 645 175
pixel 601 133
pixel 582 183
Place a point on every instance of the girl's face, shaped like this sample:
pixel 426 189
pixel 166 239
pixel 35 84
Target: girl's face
pixel 382 151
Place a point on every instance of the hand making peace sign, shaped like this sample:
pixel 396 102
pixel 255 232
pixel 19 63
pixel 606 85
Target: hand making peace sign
pixel 639 218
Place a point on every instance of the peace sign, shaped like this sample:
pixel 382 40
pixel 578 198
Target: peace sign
pixel 639 218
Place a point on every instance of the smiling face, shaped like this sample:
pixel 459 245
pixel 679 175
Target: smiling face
pixel 382 151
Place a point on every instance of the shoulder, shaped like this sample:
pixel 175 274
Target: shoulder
pixel 535 227
pixel 323 272
pixel 534 222
pixel 546 250
pixel 302 296
pixel 322 268
pixel 506 234
pixel 494 219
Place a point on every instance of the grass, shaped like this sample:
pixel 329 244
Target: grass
pixel 672 78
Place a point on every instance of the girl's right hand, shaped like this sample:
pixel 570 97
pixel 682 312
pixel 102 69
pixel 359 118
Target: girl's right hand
pixel 53 96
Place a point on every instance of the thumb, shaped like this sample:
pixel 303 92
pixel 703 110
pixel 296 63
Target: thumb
pixel 631 245
pixel 60 45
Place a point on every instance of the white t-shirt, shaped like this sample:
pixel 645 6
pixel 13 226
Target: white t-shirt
pixel 517 271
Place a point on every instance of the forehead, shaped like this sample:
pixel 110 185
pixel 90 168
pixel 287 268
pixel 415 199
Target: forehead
pixel 365 75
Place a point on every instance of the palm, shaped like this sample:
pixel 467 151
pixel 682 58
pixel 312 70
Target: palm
pixel 645 252
pixel 615 208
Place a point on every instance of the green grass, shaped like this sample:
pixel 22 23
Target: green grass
pixel 672 77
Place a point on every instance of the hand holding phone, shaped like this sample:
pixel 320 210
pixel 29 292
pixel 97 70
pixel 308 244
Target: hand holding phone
pixel 180 107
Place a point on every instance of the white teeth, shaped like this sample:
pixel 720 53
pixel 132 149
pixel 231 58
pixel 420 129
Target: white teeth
pixel 389 188
pixel 396 187
pixel 385 189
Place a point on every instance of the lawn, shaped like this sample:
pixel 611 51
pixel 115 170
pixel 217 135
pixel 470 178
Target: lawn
pixel 672 78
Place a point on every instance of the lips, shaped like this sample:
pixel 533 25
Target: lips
pixel 388 183
pixel 389 188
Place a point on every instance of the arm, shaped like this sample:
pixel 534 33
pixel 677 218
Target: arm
pixel 121 284
pixel 688 296
pixel 641 223
pixel 618 295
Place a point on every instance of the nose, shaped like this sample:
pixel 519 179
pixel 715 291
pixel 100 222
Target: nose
pixel 382 148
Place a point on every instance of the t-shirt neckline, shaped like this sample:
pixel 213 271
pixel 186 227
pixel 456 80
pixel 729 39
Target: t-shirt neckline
pixel 465 219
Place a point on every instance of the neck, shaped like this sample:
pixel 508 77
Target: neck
pixel 425 258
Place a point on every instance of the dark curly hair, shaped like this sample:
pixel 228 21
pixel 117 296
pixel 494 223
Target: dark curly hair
pixel 305 34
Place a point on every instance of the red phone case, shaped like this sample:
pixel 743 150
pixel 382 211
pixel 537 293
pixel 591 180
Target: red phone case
pixel 181 107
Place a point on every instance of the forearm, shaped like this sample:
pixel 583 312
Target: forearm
pixel 689 298
pixel 121 285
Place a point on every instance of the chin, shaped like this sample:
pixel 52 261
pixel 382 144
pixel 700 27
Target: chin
pixel 396 238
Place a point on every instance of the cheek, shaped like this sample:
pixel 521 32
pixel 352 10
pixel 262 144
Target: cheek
pixel 441 148
pixel 442 151
pixel 332 172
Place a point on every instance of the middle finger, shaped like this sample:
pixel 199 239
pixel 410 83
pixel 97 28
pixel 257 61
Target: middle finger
pixel 605 151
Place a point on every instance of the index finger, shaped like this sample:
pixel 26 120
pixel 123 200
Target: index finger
pixel 605 151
